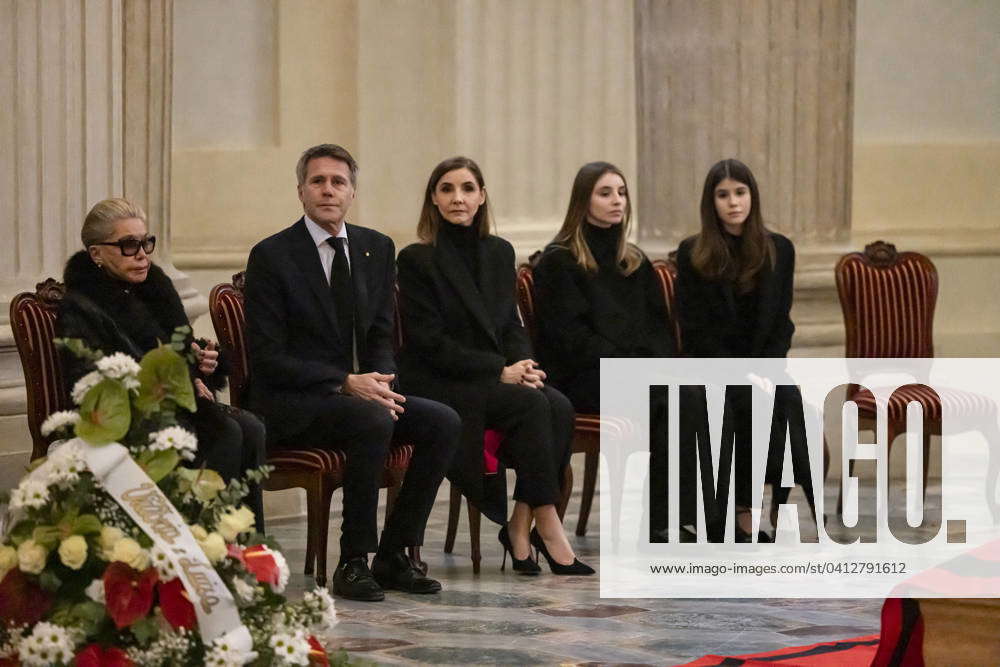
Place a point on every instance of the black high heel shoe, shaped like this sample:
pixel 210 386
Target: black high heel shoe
pixel 576 567
pixel 520 565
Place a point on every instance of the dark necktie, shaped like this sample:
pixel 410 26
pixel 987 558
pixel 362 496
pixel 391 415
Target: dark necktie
pixel 343 293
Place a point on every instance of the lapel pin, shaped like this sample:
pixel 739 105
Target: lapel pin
pixel 367 254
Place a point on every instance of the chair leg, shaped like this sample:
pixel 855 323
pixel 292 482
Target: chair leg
pixel 454 507
pixel 590 461
pixel 324 529
pixel 474 536
pixel 312 524
pixel 414 554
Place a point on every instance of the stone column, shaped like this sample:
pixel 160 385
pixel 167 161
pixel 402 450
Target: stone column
pixel 767 81
pixel 147 82
pixel 86 89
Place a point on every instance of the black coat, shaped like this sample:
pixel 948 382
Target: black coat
pixel 583 316
pixel 114 316
pixel 295 349
pixel 707 310
pixel 457 339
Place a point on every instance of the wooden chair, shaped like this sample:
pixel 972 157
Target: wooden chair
pixel 888 301
pixel 666 273
pixel 33 321
pixel 318 470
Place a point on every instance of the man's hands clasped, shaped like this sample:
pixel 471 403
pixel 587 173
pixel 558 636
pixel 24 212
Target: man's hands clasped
pixel 375 387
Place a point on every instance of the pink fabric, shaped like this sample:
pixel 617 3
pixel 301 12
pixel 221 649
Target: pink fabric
pixel 491 445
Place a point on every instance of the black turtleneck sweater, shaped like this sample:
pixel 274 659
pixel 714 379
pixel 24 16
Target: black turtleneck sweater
pixel 583 316
pixel 466 242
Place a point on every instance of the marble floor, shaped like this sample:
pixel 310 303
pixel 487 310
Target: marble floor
pixel 504 618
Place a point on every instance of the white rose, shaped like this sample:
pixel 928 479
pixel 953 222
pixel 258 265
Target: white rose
pixel 73 552
pixel 31 557
pixel 109 538
pixel 214 547
pixel 8 560
pixel 95 591
pixel 129 552
pixel 234 522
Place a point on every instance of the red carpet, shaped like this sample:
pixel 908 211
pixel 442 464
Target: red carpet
pixel 842 653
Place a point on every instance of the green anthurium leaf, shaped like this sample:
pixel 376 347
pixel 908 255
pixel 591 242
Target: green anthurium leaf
pixel 88 615
pixel 105 414
pixel 87 524
pixel 164 375
pixel 22 531
pixel 49 581
pixel 144 630
pixel 47 536
pixel 158 463
pixel 204 483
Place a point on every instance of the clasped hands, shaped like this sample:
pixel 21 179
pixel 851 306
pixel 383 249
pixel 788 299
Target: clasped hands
pixel 375 387
pixel 524 372
pixel 208 362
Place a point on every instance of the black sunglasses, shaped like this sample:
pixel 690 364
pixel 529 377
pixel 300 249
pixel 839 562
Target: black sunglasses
pixel 130 247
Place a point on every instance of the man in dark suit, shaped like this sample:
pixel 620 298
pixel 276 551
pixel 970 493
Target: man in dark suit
pixel 319 308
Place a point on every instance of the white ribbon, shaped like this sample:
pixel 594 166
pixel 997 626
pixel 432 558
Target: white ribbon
pixel 119 475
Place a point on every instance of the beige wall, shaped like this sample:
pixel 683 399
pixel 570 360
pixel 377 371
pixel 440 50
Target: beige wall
pixel 927 126
pixel 240 188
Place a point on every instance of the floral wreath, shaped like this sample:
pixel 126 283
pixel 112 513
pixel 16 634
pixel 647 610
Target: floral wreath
pixel 83 582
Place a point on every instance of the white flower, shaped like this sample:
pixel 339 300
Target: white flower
pixel 234 522
pixel 225 654
pixel 95 591
pixel 66 463
pixel 29 493
pixel 118 366
pixel 244 591
pixel 174 437
pixel 109 538
pixel 85 384
pixel 73 551
pixel 291 648
pixel 283 571
pixel 131 553
pixel 162 563
pixel 320 603
pixel 8 560
pixel 47 644
pixel 58 420
pixel 214 547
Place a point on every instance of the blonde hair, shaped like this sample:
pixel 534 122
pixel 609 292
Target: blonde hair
pixel 102 217
pixel 570 236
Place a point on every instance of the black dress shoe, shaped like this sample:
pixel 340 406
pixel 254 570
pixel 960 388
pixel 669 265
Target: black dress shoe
pixel 521 565
pixel 398 572
pixel 354 581
pixel 577 567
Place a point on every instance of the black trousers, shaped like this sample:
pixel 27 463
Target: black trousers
pixel 538 431
pixel 232 441
pixel 364 430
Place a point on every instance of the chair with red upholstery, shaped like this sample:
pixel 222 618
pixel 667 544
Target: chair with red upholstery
pixel 666 273
pixel 888 300
pixel 318 470
pixel 33 322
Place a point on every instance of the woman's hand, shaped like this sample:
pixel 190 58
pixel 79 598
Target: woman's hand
pixel 524 372
pixel 208 359
pixel 202 390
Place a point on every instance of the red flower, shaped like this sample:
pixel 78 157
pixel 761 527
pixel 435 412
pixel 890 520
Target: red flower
pixel 259 562
pixel 317 654
pixel 176 605
pixel 102 656
pixel 10 662
pixel 22 601
pixel 235 552
pixel 128 593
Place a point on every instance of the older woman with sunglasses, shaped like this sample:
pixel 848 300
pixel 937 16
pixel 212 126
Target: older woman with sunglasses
pixel 117 300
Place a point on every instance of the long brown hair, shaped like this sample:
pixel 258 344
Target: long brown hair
pixel 570 235
pixel 430 217
pixel 711 256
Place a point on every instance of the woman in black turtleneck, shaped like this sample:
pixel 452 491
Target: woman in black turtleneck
pixel 117 300
pixel 595 293
pixel 464 346
pixel 734 286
